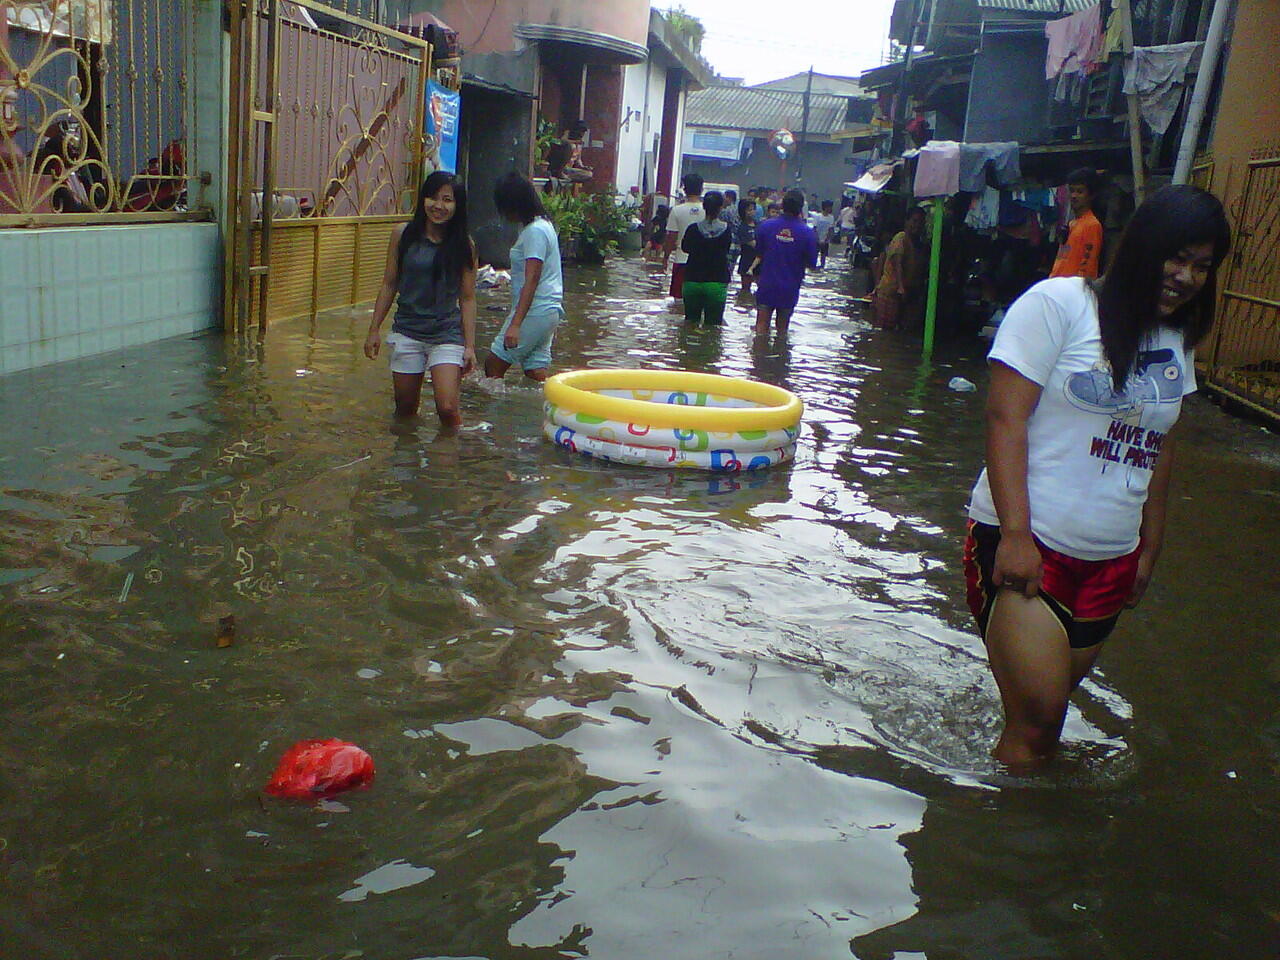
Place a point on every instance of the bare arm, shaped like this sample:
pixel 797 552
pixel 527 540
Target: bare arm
pixel 1010 403
pixel 668 245
pixel 1153 517
pixel 386 293
pixel 532 274
pixel 467 305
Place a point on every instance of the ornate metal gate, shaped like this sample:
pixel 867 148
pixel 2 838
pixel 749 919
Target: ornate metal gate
pixel 326 151
pixel 1244 358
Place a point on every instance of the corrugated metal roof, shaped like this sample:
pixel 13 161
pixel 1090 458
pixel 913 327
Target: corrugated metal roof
pixel 749 108
pixel 1063 7
pixel 822 83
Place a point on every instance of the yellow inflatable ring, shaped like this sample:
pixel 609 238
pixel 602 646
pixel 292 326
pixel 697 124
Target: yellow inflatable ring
pixel 676 399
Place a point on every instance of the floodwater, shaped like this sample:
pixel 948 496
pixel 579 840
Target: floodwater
pixel 616 712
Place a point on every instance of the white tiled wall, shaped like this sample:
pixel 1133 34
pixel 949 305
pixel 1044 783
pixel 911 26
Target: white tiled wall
pixel 71 292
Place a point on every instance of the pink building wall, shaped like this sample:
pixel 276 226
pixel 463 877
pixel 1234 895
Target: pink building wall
pixel 616 25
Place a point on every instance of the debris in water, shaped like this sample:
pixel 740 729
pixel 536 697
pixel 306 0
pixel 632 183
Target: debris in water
pixel 226 634
pixel 961 385
pixel 317 769
pixel 124 591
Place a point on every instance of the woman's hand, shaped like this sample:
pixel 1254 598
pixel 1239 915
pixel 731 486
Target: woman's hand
pixel 468 360
pixel 372 344
pixel 1018 565
pixel 1146 565
pixel 511 339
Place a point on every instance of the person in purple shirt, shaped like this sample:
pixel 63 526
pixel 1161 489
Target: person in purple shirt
pixel 785 247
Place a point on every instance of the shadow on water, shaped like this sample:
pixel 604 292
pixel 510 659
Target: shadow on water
pixel 615 712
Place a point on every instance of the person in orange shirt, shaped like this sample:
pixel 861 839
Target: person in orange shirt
pixel 1081 255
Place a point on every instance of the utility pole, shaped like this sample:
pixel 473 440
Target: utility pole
pixel 1135 118
pixel 804 127
pixel 898 141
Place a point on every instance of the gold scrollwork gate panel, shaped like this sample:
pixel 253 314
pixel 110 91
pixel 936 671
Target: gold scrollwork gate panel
pixel 97 111
pixel 330 129
pixel 1244 359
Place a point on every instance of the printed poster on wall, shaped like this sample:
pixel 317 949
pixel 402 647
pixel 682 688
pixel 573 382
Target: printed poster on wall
pixel 443 106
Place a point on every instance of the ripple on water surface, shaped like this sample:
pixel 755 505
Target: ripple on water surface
pixel 615 712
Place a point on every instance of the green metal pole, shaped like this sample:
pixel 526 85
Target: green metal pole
pixel 935 255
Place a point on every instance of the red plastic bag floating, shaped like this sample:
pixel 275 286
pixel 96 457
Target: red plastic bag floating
pixel 315 769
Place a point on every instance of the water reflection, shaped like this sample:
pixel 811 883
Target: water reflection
pixel 616 712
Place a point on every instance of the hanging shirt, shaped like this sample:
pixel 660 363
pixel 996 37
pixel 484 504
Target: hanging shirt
pixel 1080 256
pixel 1156 75
pixel 937 169
pixel 1075 43
pixel 1090 449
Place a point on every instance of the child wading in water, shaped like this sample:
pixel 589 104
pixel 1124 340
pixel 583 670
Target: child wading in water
pixel 537 285
pixel 431 268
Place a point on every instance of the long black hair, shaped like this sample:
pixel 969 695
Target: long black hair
pixel 514 195
pixel 1176 217
pixel 456 254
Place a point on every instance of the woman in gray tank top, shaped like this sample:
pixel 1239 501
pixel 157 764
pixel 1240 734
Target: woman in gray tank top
pixel 431 273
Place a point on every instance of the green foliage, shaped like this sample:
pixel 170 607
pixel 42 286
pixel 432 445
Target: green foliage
pixel 593 220
pixel 546 136
pixel 688 26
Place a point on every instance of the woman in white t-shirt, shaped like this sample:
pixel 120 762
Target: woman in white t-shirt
pixel 1067 520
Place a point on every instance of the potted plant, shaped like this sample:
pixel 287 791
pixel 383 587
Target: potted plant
pixel 590 224
pixel 545 138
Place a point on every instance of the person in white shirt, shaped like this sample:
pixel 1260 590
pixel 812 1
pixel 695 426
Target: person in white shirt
pixel 1067 519
pixel 683 215
pixel 822 224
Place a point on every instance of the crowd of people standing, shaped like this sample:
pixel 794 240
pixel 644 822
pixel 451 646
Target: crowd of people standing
pixel 766 240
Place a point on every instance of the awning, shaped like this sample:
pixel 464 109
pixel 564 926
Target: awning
pixel 877 178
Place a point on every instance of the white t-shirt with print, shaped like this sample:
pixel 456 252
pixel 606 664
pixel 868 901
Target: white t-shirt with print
pixel 1090 450
pixel 683 216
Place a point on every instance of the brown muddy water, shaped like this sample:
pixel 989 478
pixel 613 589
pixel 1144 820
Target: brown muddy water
pixel 616 713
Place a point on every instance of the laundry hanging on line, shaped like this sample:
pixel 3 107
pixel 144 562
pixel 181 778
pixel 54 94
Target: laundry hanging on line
pixel 1075 43
pixel 1003 158
pixel 937 169
pixel 1157 76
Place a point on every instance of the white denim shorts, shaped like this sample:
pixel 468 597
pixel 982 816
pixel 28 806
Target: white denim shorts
pixel 413 356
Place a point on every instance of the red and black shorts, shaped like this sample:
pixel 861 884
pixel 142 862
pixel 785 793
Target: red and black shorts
pixel 1087 596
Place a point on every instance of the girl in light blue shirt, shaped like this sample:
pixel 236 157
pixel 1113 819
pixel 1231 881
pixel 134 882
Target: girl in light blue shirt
pixel 537 285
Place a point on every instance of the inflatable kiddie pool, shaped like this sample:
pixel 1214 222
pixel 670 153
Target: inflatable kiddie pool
pixel 672 418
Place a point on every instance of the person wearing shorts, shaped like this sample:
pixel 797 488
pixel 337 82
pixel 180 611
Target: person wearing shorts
pixel 1068 518
pixel 537 285
pixel 430 273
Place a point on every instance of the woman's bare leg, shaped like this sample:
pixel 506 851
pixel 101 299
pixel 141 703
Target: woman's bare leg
pixel 446 385
pixel 1032 662
pixel 407 390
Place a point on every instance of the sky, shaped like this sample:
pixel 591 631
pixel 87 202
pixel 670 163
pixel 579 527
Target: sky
pixel 761 40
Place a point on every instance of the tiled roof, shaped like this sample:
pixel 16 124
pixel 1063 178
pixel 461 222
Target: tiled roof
pixel 749 108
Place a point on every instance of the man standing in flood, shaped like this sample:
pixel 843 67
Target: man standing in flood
pixel 683 215
pixel 785 247
pixel 1081 255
